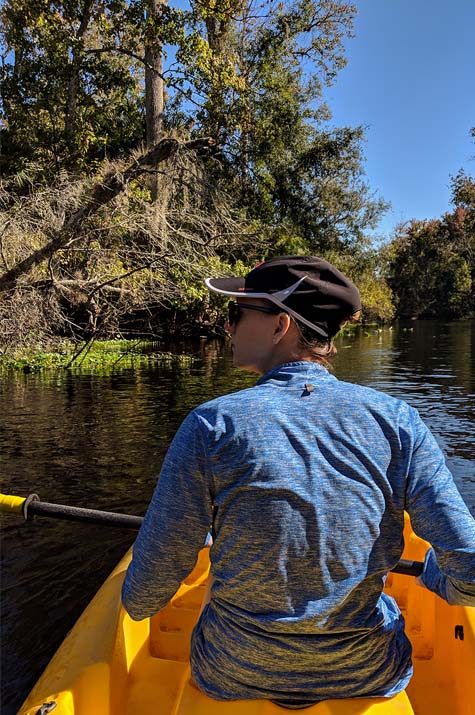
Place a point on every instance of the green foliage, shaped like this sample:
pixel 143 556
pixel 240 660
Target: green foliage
pixel 102 356
pixel 73 94
pixel 195 298
pixel 293 174
pixel 364 267
pixel 67 100
pixel 431 264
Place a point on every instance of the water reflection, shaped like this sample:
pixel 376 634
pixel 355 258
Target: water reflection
pixel 98 440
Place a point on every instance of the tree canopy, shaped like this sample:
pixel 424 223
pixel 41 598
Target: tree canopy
pixel 431 264
pixel 228 96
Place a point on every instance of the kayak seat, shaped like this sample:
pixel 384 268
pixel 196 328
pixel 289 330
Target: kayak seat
pixel 165 687
pixel 167 664
pixel 170 629
pixel 193 701
pixel 170 633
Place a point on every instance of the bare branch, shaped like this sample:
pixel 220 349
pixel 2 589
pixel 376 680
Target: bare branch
pixel 102 194
pixel 117 256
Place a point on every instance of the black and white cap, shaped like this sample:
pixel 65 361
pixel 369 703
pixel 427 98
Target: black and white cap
pixel 309 289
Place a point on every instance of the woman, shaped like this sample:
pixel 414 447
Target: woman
pixel 304 480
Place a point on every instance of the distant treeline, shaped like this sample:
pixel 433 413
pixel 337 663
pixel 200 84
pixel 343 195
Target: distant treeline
pixel 145 146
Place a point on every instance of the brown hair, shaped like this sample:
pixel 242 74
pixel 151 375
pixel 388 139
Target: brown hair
pixel 320 350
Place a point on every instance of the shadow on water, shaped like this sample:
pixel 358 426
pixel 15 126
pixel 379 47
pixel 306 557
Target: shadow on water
pixel 98 440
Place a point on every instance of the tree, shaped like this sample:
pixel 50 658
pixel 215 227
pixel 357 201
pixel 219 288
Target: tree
pixel 302 181
pixel 154 102
pixel 431 264
pixel 82 258
pixel 89 81
pixel 250 74
pixel 66 100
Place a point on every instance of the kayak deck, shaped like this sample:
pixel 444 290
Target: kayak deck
pixel 111 664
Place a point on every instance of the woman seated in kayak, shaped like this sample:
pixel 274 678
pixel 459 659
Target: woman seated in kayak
pixel 304 480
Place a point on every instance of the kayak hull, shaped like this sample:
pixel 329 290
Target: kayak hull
pixel 109 664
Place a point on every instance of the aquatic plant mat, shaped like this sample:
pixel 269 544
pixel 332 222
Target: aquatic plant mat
pixel 97 356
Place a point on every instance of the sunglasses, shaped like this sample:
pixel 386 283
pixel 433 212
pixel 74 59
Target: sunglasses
pixel 234 311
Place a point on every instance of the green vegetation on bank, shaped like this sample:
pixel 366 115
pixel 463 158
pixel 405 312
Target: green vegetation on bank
pixel 105 356
pixel 431 264
pixel 101 356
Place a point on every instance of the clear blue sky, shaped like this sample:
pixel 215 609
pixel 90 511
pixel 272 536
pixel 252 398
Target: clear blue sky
pixel 410 79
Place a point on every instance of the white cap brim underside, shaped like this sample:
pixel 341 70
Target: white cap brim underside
pixel 234 294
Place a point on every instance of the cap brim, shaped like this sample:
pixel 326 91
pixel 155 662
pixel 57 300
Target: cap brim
pixel 232 287
pixel 235 288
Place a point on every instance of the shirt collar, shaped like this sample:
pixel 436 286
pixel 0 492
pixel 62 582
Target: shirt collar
pixel 290 371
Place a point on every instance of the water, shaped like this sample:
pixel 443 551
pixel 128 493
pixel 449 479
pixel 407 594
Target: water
pixel 98 440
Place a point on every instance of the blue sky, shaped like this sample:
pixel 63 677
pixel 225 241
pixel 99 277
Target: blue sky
pixel 410 79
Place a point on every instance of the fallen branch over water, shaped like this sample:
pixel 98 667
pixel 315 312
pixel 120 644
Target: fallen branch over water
pixel 102 193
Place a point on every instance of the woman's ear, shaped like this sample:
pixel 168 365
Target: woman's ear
pixel 282 327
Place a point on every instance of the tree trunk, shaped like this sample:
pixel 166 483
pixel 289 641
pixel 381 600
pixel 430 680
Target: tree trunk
pixel 154 108
pixel 73 83
pixel 154 83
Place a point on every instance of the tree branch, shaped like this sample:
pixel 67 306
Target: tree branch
pixel 101 195
pixel 129 53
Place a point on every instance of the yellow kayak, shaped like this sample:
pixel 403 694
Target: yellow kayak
pixel 109 664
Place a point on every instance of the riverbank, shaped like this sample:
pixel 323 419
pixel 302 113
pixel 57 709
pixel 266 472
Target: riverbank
pixel 104 355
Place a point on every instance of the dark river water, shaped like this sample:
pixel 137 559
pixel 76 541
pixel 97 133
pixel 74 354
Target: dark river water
pixel 98 440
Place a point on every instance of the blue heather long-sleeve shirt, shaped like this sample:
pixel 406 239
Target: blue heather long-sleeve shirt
pixel 306 489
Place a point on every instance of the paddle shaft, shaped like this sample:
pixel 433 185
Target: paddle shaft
pixel 32 506
pixel 89 516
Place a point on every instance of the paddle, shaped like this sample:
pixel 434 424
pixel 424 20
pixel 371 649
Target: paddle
pixel 32 506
